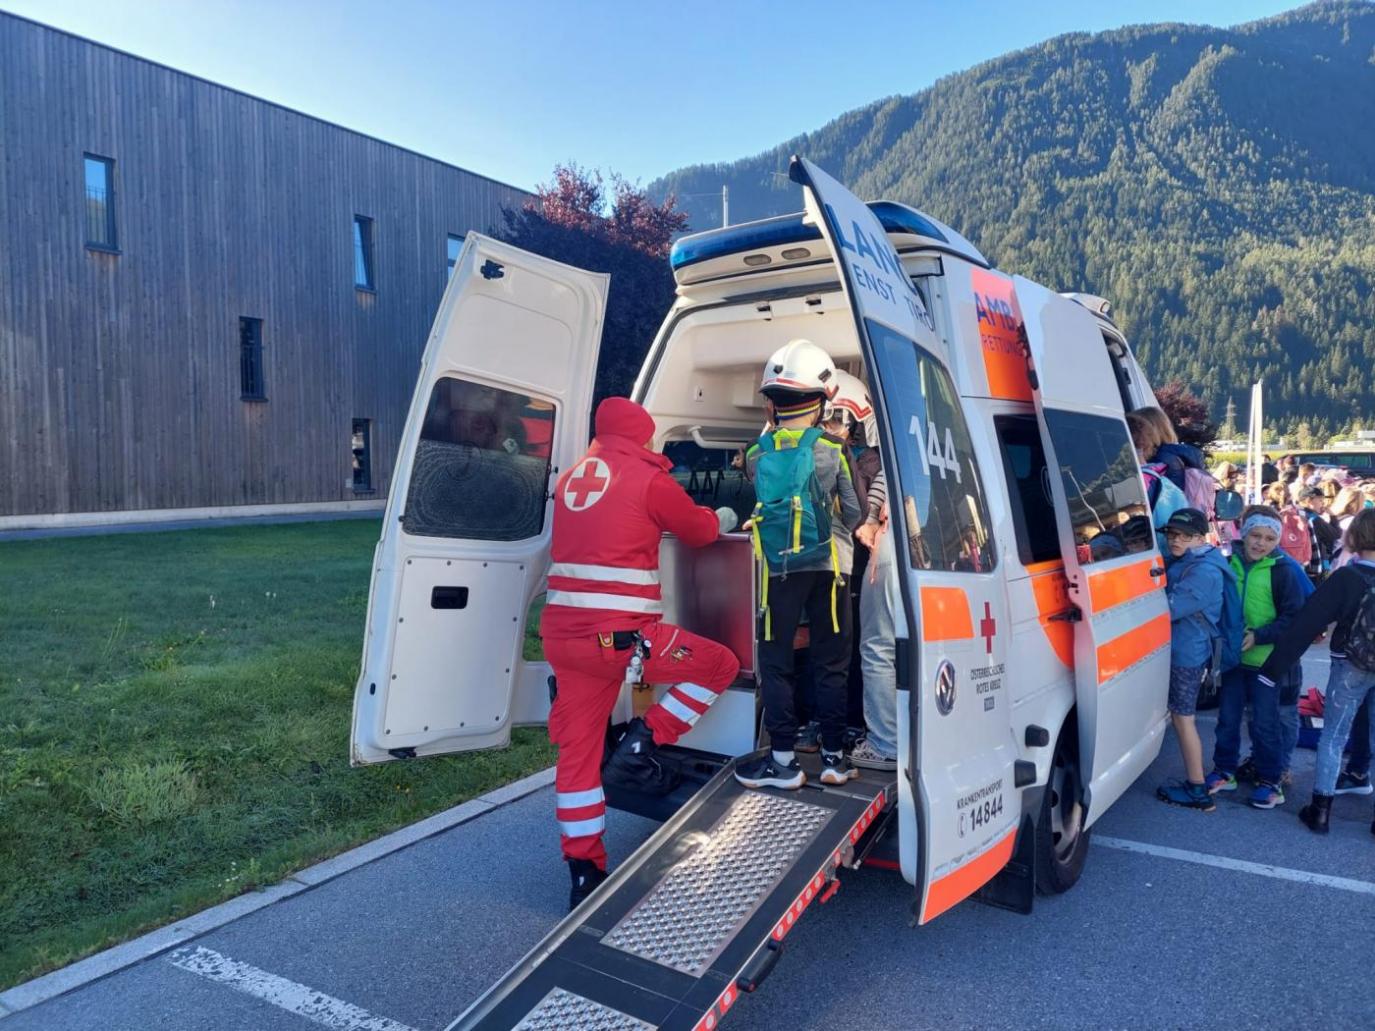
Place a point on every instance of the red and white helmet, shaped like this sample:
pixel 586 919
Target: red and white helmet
pixel 851 403
pixel 799 367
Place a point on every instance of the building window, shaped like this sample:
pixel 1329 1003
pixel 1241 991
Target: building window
pixel 100 202
pixel 362 253
pixel 362 454
pixel 455 245
pixel 252 386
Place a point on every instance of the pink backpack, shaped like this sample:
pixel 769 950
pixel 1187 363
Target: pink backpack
pixel 1201 490
pixel 1294 538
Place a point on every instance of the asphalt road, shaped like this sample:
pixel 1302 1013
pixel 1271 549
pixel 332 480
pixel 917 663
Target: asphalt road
pixel 1145 939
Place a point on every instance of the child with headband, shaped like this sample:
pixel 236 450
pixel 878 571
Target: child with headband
pixel 1273 588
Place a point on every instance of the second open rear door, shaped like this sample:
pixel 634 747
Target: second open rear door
pixel 1114 569
pixel 958 804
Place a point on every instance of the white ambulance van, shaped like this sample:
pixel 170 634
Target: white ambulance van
pixel 1034 662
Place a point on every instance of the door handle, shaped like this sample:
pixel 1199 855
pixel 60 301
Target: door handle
pixel 1157 570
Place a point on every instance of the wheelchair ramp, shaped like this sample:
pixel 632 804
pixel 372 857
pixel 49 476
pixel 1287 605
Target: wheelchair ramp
pixel 696 916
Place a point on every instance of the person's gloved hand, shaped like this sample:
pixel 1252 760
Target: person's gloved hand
pixel 727 518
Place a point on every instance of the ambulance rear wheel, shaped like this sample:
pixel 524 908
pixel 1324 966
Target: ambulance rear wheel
pixel 1062 840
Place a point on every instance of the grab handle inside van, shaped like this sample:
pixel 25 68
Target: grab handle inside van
pixel 715 445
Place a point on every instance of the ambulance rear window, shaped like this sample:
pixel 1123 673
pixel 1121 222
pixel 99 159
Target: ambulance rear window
pixel 1107 502
pixel 481 466
pixel 943 504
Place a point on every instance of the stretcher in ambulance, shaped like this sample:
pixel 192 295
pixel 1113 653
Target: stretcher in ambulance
pixel 1033 651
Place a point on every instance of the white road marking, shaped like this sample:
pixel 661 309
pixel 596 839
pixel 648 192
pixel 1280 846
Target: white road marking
pixel 288 995
pixel 1280 873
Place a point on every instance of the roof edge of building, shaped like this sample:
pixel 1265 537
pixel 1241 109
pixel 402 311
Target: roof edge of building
pixel 262 100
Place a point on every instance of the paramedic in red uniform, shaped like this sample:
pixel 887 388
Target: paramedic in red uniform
pixel 610 510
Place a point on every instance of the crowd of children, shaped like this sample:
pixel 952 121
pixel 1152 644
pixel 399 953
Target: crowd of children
pixel 1246 620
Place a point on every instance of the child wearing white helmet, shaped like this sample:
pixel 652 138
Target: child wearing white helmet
pixel 801 478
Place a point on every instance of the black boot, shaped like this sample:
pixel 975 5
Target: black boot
pixel 1315 813
pixel 635 764
pixel 586 876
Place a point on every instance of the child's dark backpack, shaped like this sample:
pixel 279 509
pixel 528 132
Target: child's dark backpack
pixel 1231 627
pixel 1360 642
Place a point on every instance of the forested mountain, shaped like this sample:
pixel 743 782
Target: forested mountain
pixel 1217 185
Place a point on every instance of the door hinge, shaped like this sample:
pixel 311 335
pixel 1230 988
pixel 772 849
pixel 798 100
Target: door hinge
pixel 401 753
pixel 492 269
pixel 1073 614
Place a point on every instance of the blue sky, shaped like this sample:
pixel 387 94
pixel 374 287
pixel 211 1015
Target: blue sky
pixel 510 87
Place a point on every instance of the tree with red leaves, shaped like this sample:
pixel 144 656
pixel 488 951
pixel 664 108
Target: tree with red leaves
pixel 576 199
pixel 569 222
pixel 1187 411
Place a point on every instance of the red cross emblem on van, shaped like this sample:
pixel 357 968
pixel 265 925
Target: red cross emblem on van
pixel 587 484
pixel 988 627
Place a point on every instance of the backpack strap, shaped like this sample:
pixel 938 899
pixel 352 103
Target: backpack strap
pixel 763 570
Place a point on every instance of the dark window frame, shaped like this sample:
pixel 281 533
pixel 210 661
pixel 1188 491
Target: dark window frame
pixel 452 261
pixel 362 474
pixel 252 370
pixel 110 243
pixel 364 254
pixel 1033 547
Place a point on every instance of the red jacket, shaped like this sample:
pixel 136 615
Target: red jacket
pixel 610 510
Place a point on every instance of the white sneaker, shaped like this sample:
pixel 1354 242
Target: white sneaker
pixel 866 755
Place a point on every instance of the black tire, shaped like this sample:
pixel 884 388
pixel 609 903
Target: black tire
pixel 1062 841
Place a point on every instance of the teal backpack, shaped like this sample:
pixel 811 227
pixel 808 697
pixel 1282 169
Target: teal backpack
pixel 791 520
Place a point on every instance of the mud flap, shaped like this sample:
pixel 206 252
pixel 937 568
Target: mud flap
pixel 1015 886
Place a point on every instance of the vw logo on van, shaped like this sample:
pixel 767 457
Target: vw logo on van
pixel 945 687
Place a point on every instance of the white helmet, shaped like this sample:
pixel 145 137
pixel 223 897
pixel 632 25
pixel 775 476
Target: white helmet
pixel 851 403
pixel 799 367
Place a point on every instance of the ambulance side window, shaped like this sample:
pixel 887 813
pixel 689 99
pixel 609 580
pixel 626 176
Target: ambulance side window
pixel 1033 508
pixel 1102 481
pixel 481 465
pixel 943 504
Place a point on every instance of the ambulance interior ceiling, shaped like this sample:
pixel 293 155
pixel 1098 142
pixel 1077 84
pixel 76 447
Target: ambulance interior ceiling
pixel 709 374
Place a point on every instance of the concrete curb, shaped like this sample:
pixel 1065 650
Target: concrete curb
pixel 102 964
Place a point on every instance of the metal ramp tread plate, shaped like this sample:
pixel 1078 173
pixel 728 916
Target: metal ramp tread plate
pixel 661 945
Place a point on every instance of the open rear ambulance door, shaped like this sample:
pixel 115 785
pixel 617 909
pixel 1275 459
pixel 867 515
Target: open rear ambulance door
pixel 959 807
pixel 500 407
pixel 1114 570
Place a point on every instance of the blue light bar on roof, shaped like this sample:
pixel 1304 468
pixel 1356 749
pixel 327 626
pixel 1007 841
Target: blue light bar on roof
pixel 785 229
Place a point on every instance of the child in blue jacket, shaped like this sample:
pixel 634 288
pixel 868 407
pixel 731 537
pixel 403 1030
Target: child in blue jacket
pixel 1195 579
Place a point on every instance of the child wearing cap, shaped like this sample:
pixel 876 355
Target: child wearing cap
pixel 1273 588
pixel 1195 577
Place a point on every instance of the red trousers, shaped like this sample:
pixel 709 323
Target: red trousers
pixel 590 674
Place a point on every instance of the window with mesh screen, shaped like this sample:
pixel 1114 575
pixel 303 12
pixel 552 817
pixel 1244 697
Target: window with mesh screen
pixel 481 467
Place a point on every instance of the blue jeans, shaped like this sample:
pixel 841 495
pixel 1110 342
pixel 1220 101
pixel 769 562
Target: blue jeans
pixel 1361 740
pixel 1289 734
pixel 1240 687
pixel 1347 688
pixel 880 601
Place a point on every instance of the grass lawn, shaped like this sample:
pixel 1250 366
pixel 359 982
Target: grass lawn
pixel 174 720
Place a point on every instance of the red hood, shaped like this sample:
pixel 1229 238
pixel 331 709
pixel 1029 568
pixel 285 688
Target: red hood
pixel 622 417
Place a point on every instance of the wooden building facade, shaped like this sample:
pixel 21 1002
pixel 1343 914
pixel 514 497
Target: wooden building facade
pixel 206 300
